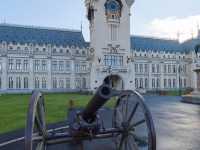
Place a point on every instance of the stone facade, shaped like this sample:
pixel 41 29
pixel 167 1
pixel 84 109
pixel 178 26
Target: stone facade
pixel 58 60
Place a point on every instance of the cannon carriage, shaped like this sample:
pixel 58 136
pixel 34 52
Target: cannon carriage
pixel 132 124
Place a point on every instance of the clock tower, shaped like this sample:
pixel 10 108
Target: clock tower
pixel 111 60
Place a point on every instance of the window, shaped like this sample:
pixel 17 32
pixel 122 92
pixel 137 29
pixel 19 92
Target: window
pixel 169 68
pixel 169 83
pixel 136 67
pixel 78 83
pixel 1 67
pixel 10 64
pixel 136 83
pixel 77 67
pixel 18 82
pixel 158 83
pixel 44 49
pixel 113 60
pixel 18 64
pixel 44 65
pixel 141 68
pixel 158 68
pixel 146 83
pixel 153 68
pixel 61 65
pixel 68 65
pixel 54 65
pixel 54 83
pixel 37 83
pixel 185 83
pixel 44 83
pixel 165 68
pixel 67 83
pixel 165 83
pixel 141 83
pixel 146 68
pixel 61 83
pixel 37 65
pixel 10 83
pixel 174 68
pixel 26 82
pixel 153 83
pixel 113 29
pixel 25 64
pixel 174 83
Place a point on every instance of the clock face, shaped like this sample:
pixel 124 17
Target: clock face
pixel 113 6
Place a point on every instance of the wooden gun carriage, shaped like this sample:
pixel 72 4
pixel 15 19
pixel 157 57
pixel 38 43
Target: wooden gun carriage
pixel 132 124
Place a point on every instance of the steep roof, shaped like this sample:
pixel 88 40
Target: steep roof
pixel 190 44
pixel 155 44
pixel 40 35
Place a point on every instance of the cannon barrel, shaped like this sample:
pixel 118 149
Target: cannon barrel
pixel 102 95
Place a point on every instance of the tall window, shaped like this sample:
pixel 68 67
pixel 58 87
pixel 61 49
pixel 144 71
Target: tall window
pixel 146 68
pixel 37 83
pixel 54 83
pixel 78 83
pixel 54 65
pixel 18 64
pixel 165 83
pixel 67 83
pixel 153 68
pixel 169 68
pixel 61 65
pixel 153 83
pixel 165 68
pixel 141 68
pixel 146 83
pixel 18 82
pixel 174 83
pixel 136 67
pixel 1 68
pixel 44 65
pixel 68 65
pixel 158 68
pixel 44 83
pixel 10 83
pixel 174 68
pixel 37 65
pixel 158 83
pixel 141 83
pixel 136 83
pixel 113 29
pixel 0 83
pixel 26 82
pixel 11 64
pixel 185 83
pixel 26 65
pixel 169 83
pixel 61 83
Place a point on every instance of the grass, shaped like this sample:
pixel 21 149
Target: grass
pixel 13 108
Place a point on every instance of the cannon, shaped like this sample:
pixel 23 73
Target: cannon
pixel 132 125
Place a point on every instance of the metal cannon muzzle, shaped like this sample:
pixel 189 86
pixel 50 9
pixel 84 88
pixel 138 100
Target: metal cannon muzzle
pixel 102 95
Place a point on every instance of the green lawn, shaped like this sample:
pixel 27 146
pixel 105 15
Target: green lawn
pixel 13 108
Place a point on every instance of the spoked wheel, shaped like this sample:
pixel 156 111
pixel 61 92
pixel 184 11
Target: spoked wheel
pixel 132 116
pixel 36 132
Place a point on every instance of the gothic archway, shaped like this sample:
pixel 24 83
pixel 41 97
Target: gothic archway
pixel 115 81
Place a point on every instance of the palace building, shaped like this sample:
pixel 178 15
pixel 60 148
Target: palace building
pixel 59 60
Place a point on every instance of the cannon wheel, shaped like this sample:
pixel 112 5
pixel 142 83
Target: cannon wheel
pixel 132 116
pixel 36 125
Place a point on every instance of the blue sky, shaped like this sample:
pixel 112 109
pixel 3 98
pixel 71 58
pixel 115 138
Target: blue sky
pixel 161 18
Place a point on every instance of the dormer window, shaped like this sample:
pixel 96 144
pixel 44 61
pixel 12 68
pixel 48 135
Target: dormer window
pixel 54 50
pixel 10 48
pixel 83 52
pixel 37 49
pixel 77 51
pixel 61 50
pixel 18 48
pixel 67 51
pixel 44 49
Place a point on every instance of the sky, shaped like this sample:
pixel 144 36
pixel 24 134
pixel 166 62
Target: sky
pixel 172 19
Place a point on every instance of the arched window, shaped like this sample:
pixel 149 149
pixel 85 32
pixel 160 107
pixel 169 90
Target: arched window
pixel 37 83
pixel 44 83
pixel 26 82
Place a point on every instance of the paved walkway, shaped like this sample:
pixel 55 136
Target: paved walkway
pixel 177 125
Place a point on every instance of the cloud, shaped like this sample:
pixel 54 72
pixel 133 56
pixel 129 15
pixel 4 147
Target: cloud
pixel 171 27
